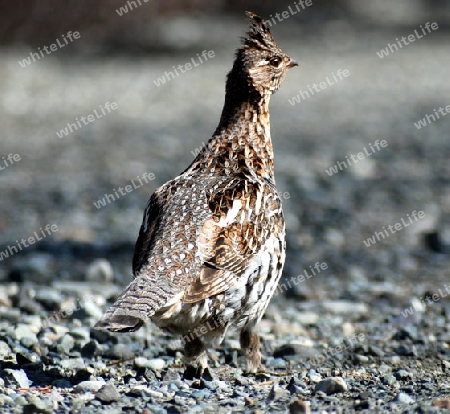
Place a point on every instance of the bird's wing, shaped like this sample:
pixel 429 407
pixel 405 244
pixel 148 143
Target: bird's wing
pixel 146 237
pixel 230 238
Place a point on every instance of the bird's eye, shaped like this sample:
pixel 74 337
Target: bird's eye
pixel 275 62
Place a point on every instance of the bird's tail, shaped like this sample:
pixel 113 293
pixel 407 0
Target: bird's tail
pixel 133 307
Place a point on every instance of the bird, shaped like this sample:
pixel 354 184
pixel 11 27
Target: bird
pixel 211 247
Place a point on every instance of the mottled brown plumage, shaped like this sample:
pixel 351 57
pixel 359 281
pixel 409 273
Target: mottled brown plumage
pixel 211 246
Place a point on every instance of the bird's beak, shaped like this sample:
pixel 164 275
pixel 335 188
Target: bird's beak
pixel 292 63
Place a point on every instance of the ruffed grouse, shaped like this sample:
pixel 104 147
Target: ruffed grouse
pixel 211 247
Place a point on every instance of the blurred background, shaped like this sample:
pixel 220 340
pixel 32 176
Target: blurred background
pixel 124 47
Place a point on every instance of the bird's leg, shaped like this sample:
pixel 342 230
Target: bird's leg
pixel 251 347
pixel 195 354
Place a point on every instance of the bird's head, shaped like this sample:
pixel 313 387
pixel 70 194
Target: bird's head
pixel 259 60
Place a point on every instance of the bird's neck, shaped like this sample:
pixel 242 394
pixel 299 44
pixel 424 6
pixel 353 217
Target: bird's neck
pixel 241 142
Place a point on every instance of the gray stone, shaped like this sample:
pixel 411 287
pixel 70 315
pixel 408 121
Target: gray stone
pixel 73 363
pixel 17 377
pixel 50 298
pixel 108 394
pixel 388 380
pixel 89 386
pixel 5 350
pixel 404 398
pixel 100 270
pixel 121 351
pixel 155 364
pixel 64 344
pixel 91 349
pixel 332 385
pixel 402 374
pixel 277 392
pixel 22 331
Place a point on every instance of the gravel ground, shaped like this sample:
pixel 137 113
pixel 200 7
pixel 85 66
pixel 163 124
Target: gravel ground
pixel 370 332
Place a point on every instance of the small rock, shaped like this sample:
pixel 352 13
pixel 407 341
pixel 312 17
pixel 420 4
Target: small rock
pixel 80 333
pixel 292 350
pixel 296 386
pixel 156 364
pixel 108 394
pixel 276 392
pixel 388 380
pixel 89 386
pixel 17 377
pixel 407 332
pixel 121 351
pixel 332 385
pixel 22 331
pixel 402 374
pixel 404 398
pixel 300 407
pixel 100 270
pixel 92 309
pixel 4 299
pixel 64 344
pixel 5 350
pixel 375 351
pixel 362 358
pixel 51 299
pixel 442 403
pixel 73 363
pixel 201 394
pixel 91 349
pixel 342 306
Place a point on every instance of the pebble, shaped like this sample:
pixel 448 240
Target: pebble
pixel 345 307
pixel 402 374
pixel 50 298
pixel 73 363
pixel 388 380
pixel 22 331
pixel 89 386
pixel 121 351
pixel 277 393
pixel 332 385
pixel 91 349
pixel 100 270
pixel 64 344
pixel 108 394
pixel 155 364
pixel 404 398
pixel 17 377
